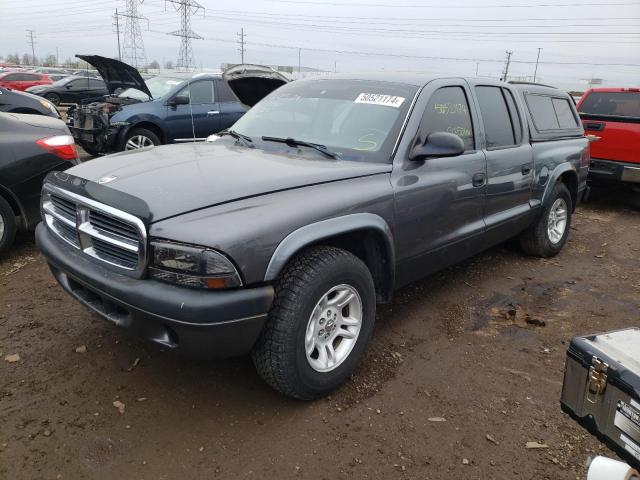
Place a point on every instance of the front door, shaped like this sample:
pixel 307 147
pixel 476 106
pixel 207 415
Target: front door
pixel 509 163
pixel 439 201
pixel 197 119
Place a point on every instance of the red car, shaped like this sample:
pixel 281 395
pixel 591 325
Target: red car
pixel 613 115
pixel 23 80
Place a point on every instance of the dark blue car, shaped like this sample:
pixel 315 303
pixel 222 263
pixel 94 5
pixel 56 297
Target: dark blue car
pixel 160 110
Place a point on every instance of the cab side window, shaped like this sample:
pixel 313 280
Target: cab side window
pixel 498 126
pixel 448 111
pixel 199 92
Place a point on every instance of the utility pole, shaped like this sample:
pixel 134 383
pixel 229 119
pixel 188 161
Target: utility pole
pixel 57 58
pixel 32 44
pixel 299 54
pixel 186 8
pixel 535 73
pixel 477 67
pixel 117 25
pixel 507 62
pixel 241 48
pixel 335 66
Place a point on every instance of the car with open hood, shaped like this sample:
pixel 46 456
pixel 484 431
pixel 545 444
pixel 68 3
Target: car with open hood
pixel 280 235
pixel 140 113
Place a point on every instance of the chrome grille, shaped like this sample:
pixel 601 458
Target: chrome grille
pixel 102 232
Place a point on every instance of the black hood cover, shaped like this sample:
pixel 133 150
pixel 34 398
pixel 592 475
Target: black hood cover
pixel 116 74
pixel 251 83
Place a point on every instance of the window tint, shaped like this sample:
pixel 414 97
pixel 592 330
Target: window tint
pixel 495 116
pixel 566 119
pixel 543 113
pixel 448 111
pixel 200 92
pixel 515 115
pixel 224 93
pixel 13 77
pixel 622 104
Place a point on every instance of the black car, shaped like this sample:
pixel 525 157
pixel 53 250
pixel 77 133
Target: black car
pixel 14 101
pixel 31 146
pixel 71 90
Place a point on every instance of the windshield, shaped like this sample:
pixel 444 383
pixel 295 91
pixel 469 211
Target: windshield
pixel 359 120
pixel 617 104
pixel 158 86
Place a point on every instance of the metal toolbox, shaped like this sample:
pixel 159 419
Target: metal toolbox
pixel 601 389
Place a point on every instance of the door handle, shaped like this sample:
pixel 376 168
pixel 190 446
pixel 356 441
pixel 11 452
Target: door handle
pixel 212 113
pixel 478 179
pixel 526 169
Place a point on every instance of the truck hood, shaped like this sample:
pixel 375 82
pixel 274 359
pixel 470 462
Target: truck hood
pixel 251 83
pixel 117 74
pixel 177 179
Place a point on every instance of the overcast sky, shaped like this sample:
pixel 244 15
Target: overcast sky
pixel 578 39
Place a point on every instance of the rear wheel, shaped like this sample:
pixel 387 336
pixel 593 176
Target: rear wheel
pixel 141 138
pixel 53 98
pixel 7 226
pixel 319 324
pixel 548 235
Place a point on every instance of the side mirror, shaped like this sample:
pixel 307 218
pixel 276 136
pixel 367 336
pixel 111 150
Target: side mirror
pixel 178 100
pixel 438 144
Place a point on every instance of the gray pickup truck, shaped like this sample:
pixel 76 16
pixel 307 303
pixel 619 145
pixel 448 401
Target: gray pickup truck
pixel 279 236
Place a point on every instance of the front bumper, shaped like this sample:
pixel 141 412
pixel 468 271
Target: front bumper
pixel 608 171
pixel 200 323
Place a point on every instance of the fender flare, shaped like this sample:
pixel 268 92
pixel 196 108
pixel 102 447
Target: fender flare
pixel 553 179
pixel 324 229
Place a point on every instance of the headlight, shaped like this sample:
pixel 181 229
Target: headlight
pixel 192 266
pixel 50 106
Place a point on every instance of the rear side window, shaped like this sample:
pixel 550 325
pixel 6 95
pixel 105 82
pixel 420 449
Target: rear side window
pixel 224 93
pixel 31 77
pixel 13 77
pixel 564 112
pixel 495 116
pixel 448 111
pixel 621 104
pixel 515 115
pixel 543 113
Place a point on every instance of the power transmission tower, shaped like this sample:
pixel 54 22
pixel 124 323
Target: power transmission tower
pixel 507 62
pixel 133 49
pixel 241 49
pixel 117 25
pixel 186 8
pixel 32 42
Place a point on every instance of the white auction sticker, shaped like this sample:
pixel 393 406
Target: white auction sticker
pixel 380 99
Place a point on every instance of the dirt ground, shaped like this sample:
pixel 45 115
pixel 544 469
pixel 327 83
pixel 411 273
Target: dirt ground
pixel 464 369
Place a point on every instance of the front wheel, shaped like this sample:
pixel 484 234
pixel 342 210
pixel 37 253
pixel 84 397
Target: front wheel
pixel 53 98
pixel 141 138
pixel 319 325
pixel 547 236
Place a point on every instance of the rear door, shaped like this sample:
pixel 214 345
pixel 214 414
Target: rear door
pixel 509 162
pixel 614 116
pixel 30 80
pixel 230 108
pixel 440 201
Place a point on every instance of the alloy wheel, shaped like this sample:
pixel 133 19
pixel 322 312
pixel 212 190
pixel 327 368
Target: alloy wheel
pixel 138 141
pixel 333 328
pixel 557 221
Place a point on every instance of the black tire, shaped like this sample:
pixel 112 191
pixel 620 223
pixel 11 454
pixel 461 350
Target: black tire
pixel 279 355
pixel 141 132
pixel 8 220
pixel 535 240
pixel 53 98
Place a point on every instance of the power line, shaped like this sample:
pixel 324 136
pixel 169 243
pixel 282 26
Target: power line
pixel 391 5
pixel 186 8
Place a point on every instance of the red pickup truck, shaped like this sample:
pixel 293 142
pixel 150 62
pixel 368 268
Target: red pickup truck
pixel 613 114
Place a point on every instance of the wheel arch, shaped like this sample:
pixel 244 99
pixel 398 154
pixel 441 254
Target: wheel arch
pixel 15 206
pixel 565 173
pixel 365 235
pixel 148 125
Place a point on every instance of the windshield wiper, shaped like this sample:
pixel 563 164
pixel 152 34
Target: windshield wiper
pixel 238 136
pixel 292 142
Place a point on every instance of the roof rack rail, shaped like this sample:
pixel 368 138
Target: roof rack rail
pixel 514 82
